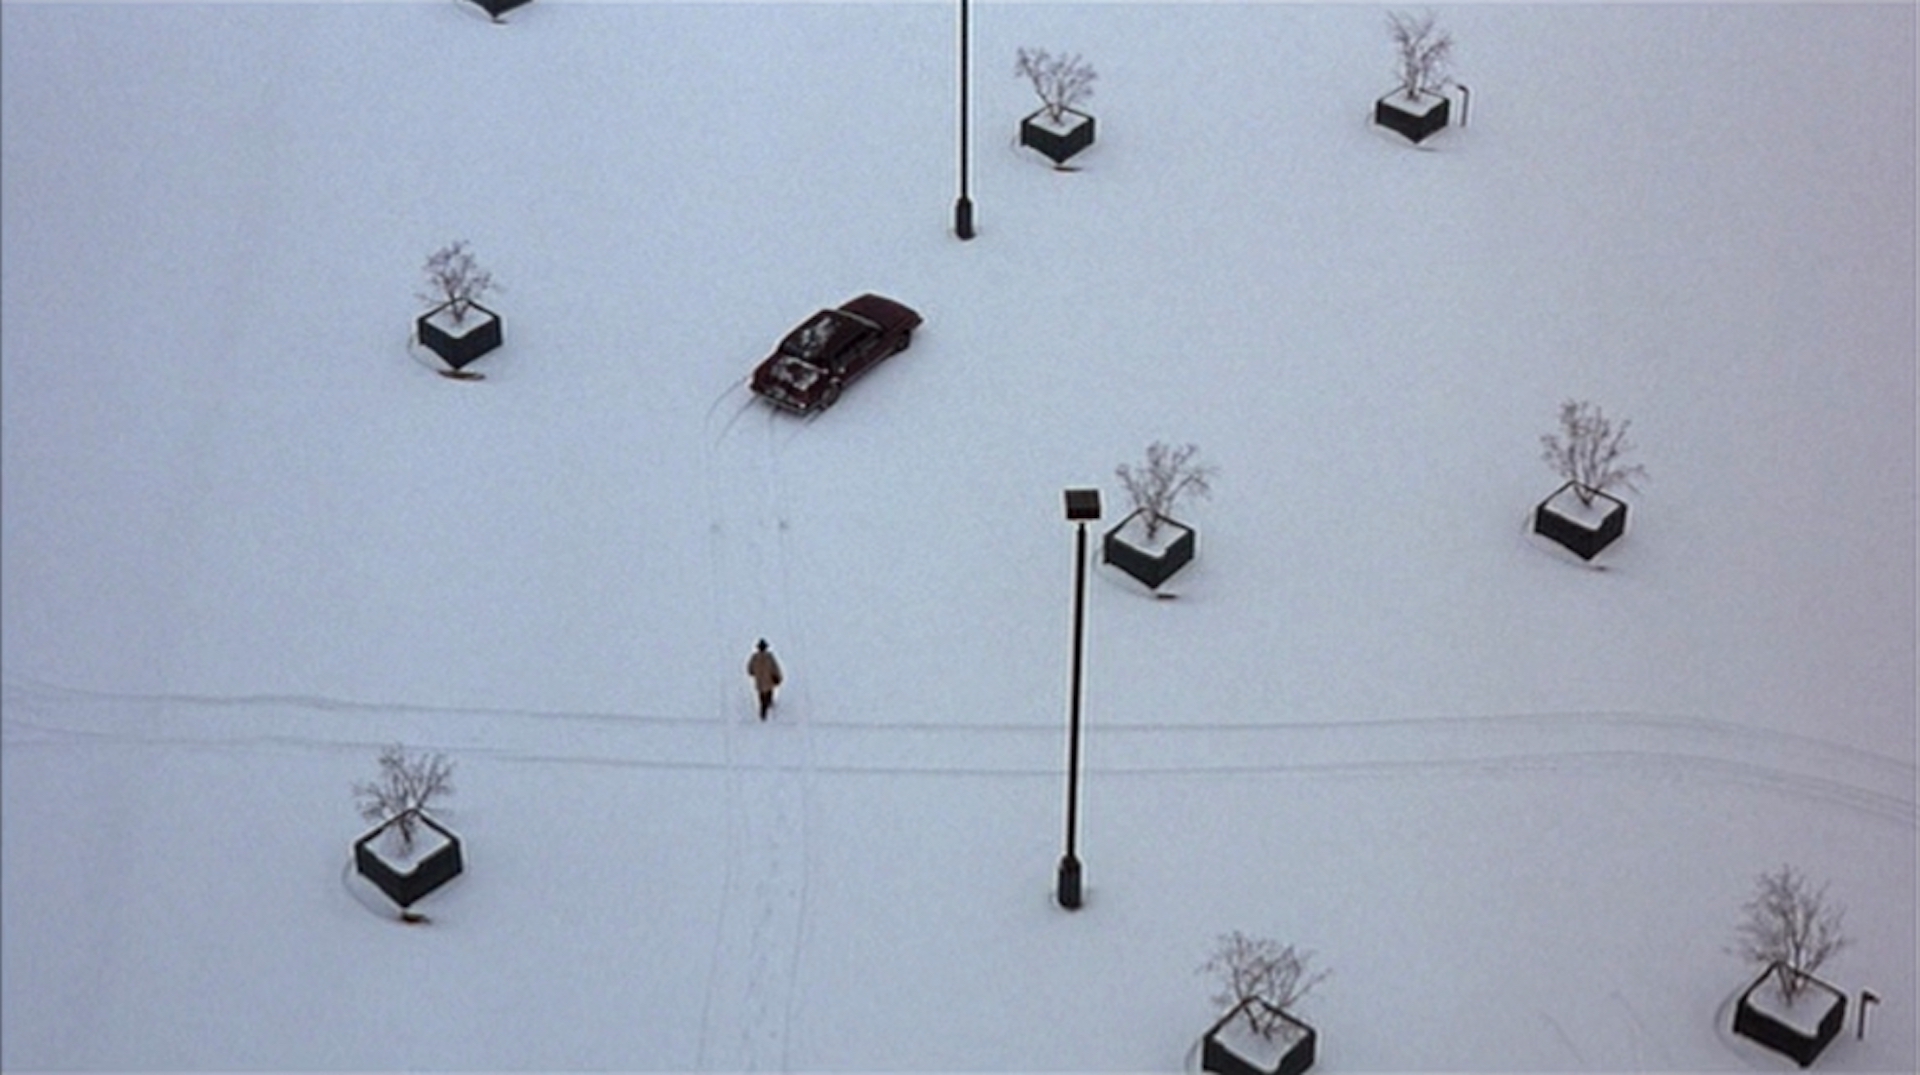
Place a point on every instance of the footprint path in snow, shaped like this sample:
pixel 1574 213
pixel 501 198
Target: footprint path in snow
pixel 751 987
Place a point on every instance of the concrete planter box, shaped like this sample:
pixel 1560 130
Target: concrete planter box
pixel 1415 119
pixel 1231 1047
pixel 435 859
pixel 1584 529
pixel 459 344
pixel 1058 142
pixel 1800 1031
pixel 1126 547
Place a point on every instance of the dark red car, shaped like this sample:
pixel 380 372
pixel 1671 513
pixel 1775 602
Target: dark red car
pixel 810 367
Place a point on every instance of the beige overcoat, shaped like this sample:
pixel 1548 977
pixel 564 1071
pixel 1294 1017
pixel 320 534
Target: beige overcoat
pixel 764 670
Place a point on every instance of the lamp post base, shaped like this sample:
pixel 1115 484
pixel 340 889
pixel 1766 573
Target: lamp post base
pixel 1068 889
pixel 963 218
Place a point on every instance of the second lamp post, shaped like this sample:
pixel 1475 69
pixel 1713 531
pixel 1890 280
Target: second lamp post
pixel 1083 505
pixel 963 206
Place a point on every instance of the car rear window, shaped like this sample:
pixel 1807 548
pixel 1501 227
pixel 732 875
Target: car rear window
pixel 813 338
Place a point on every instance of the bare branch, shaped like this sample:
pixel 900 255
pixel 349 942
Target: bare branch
pixel 1790 923
pixel 1169 474
pixel 456 280
pixel 1423 53
pixel 1260 978
pixel 1588 449
pixel 406 785
pixel 1061 82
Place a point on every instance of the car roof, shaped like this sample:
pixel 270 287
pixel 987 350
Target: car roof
pixel 825 335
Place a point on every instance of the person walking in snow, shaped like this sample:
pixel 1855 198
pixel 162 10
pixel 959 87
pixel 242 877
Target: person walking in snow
pixel 765 671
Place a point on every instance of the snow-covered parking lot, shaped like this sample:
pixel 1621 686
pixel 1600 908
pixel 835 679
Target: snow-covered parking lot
pixel 1514 804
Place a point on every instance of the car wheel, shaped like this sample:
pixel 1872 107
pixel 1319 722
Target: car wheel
pixel 905 339
pixel 830 395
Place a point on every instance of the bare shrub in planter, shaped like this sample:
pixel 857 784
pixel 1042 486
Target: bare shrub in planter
pixel 1058 129
pixel 1422 55
pixel 1260 981
pixel 1588 453
pixel 1138 545
pixel 416 854
pixel 455 284
pixel 1790 930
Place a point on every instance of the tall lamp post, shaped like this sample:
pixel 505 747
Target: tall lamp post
pixel 963 208
pixel 1083 505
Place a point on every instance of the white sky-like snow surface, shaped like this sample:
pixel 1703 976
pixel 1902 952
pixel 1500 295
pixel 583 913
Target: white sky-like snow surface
pixel 1515 805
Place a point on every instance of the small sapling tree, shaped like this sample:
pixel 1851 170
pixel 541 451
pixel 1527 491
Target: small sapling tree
pixel 1790 923
pixel 407 784
pixel 1259 978
pixel 1169 474
pixel 456 280
pixel 1588 449
pixel 1422 52
pixel 1061 82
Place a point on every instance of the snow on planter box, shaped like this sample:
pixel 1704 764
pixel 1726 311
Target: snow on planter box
pixel 1152 562
pixel 1414 118
pixel 1057 141
pixel 1801 1029
pixel 459 342
pixel 1583 528
pixel 407 875
pixel 1233 1047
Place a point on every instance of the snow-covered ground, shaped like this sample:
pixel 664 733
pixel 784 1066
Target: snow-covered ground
pixel 1513 803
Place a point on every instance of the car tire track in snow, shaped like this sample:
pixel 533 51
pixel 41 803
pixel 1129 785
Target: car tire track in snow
pixel 37 692
pixel 1641 1037
pixel 750 996
pixel 1560 1033
pixel 38 713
